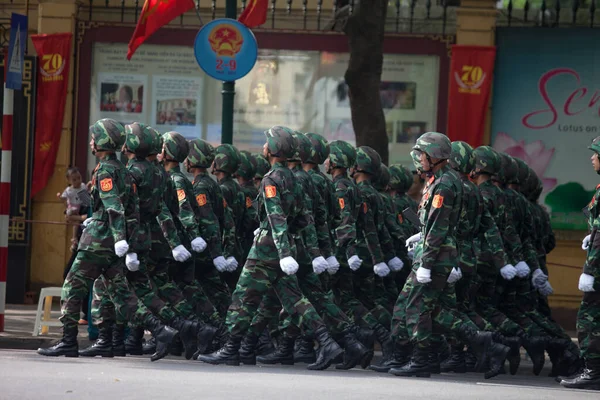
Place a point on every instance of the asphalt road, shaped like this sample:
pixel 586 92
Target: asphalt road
pixel 26 375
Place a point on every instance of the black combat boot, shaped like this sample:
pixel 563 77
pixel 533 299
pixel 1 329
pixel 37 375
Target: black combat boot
pixel 366 336
pixel 205 334
pixel 575 374
pixel 220 338
pixel 535 347
pixel 265 344
pixel 470 360
pixel 283 354
pixel 304 350
pixel 248 349
pixel 385 341
pixel 176 348
pixel 164 336
pixel 434 362
pixel 67 346
pixel 570 363
pixel 418 365
pixel 134 343
pixel 228 354
pixel 189 332
pixel 479 342
pixel 103 345
pixel 456 362
pixel 497 356
pixel 354 352
pixel 588 379
pixel 149 346
pixel 401 356
pixel 514 355
pixel 327 352
pixel 118 340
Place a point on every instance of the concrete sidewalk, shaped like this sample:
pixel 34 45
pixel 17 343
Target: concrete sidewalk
pixel 19 321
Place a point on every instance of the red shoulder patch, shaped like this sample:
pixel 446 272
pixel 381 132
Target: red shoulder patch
pixel 106 184
pixel 270 191
pixel 342 203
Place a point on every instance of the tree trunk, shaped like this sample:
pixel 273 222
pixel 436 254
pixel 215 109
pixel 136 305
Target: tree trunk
pixel 365 30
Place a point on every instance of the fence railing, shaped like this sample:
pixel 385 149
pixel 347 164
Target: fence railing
pixel 551 14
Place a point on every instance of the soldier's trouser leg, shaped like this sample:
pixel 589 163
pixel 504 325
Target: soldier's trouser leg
pixel 213 285
pixel 158 272
pixel 192 291
pixel 465 302
pixel 508 304
pixel 268 311
pixel 343 292
pixel 255 280
pixel 388 297
pixel 399 332
pixel 588 326
pixel 364 288
pixel 103 309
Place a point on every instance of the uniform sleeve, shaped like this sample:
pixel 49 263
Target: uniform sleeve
pixel 366 222
pixel 391 221
pixel 492 236
pixel 229 239
pixel 250 217
pixel 208 221
pixel 530 255
pixel 437 227
pixel 346 230
pixel 110 198
pixel 321 226
pixel 549 237
pixel 275 217
pixel 167 225
pixel 187 216
pixel 510 238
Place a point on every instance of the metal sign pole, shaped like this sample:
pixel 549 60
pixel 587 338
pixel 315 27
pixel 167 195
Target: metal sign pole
pixel 228 90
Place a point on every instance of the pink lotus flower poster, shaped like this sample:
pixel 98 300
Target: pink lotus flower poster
pixel 546 111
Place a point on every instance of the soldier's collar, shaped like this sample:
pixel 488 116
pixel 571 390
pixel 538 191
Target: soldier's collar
pixel 278 164
pixel 109 156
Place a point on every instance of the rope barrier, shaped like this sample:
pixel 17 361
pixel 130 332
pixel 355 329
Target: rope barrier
pixel 31 221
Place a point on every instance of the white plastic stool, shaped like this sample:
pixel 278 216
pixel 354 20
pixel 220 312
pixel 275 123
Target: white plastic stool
pixel 45 302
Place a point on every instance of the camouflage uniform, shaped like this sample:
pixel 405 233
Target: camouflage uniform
pixel 247 171
pixel 262 167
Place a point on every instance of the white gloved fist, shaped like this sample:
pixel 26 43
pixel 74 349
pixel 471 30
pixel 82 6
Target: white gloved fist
pixel 220 264
pixel 423 275
pixel 508 272
pixel 395 264
pixel 538 278
pixel 411 254
pixel 585 244
pixel 256 232
pixel 586 283
pixel 546 290
pixel 132 262
pixel 414 238
pixel 232 264
pixel 87 222
pixel 319 265
pixel 333 265
pixel 381 269
pixel 522 269
pixel 198 245
pixel 354 263
pixel 455 275
pixel 121 248
pixel 181 254
pixel 289 265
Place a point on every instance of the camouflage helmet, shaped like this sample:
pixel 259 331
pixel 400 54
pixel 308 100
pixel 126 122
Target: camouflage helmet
pixel 595 146
pixel 486 160
pixel 157 142
pixel 341 154
pixel 201 154
pixel 247 167
pixel 416 159
pixel 138 139
pixel 368 160
pixel 383 179
pixel 320 147
pixel 304 148
pixel 511 169
pixel 531 183
pixel 522 171
pixel 108 135
pixel 435 145
pixel 227 158
pixel 262 166
pixel 176 147
pixel 462 159
pixel 280 141
pixel 400 178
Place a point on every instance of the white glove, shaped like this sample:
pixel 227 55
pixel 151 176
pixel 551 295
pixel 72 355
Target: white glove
pixel 333 265
pixel 87 222
pixel 319 265
pixel 198 245
pixel 381 269
pixel 522 269
pixel 455 275
pixel 423 275
pixel 256 231
pixel 354 263
pixel 411 254
pixel 220 264
pixel 414 238
pixel 395 264
pixel 508 272
pixel 585 244
pixel 180 253
pixel 121 248
pixel 538 278
pixel 232 264
pixel 586 283
pixel 132 262
pixel 289 265
pixel 546 290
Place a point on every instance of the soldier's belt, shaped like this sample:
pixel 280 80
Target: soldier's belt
pixel 100 216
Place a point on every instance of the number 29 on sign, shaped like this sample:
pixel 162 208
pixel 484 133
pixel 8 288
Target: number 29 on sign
pixel 230 65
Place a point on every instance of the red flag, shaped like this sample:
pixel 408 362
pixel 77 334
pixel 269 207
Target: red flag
pixel 155 14
pixel 255 13
pixel 54 54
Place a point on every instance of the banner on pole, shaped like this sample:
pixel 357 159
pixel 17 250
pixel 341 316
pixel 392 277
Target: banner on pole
pixel 471 71
pixel 54 53
pixel 16 51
